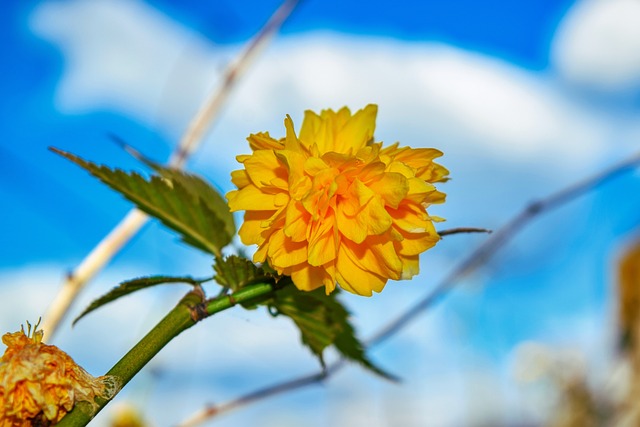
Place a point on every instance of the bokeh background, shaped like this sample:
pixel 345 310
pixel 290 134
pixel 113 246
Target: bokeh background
pixel 524 98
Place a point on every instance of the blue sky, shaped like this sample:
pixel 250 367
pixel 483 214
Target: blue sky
pixel 523 97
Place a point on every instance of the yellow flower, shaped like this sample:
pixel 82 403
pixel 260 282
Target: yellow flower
pixel 333 206
pixel 40 383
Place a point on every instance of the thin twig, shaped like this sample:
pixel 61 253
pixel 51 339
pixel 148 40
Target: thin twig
pixel 89 267
pixel 134 220
pixel 211 411
pixel 473 261
pixel 205 116
pixel 461 230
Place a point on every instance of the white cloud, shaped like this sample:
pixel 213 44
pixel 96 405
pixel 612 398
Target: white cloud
pixel 127 57
pixel 598 45
pixel 439 92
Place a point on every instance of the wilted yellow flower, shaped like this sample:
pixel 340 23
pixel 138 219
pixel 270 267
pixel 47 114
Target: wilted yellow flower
pixel 40 383
pixel 332 206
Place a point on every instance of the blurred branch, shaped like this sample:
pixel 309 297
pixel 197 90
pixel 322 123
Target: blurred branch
pixel 473 261
pixel 134 220
pixel 211 411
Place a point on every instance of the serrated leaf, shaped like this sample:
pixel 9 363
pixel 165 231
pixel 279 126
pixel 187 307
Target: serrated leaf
pixel 130 286
pixel 351 348
pixel 235 272
pixel 323 321
pixel 182 209
pixel 197 186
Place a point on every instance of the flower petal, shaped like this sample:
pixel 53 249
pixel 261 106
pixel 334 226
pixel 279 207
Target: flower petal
pixel 376 256
pixel 392 187
pixel 262 141
pixel 353 278
pixel 416 243
pixel 284 252
pixel 323 244
pixel 307 277
pixel 252 231
pixel 357 131
pixel 252 198
pixel 296 222
pixel 264 168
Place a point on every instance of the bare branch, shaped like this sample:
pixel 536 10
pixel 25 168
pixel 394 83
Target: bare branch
pixel 134 220
pixel 213 410
pixel 203 119
pixel 89 267
pixel 473 261
pixel 460 230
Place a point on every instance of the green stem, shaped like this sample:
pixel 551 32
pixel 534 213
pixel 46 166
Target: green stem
pixel 187 313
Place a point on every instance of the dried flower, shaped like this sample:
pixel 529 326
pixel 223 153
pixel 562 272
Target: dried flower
pixel 333 206
pixel 40 383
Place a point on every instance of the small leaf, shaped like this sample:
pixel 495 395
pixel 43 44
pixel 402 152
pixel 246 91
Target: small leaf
pixel 235 272
pixel 323 321
pixel 129 286
pixel 180 204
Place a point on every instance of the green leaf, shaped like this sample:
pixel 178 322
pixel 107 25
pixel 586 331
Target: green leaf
pixel 183 203
pixel 323 321
pixel 199 188
pixel 235 272
pixel 191 182
pixel 130 286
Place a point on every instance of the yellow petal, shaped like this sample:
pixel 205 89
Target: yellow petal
pixel 357 131
pixel 322 244
pixel 240 178
pixel 307 278
pixel 251 198
pixel 373 219
pixel 392 187
pixel 252 231
pixel 376 256
pixel 410 266
pixel 435 197
pixel 419 190
pixel 314 165
pixel 410 217
pixel 416 243
pixel 296 222
pixel 264 168
pixel 262 141
pixel 310 127
pixel 283 252
pixel 352 278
